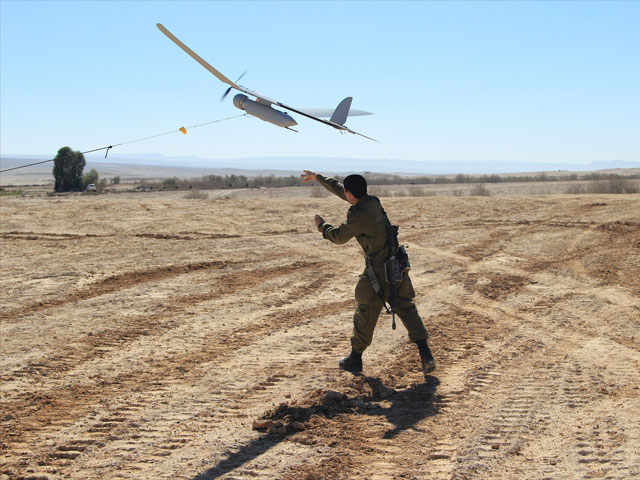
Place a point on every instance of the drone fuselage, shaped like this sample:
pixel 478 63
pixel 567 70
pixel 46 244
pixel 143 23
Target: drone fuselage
pixel 263 112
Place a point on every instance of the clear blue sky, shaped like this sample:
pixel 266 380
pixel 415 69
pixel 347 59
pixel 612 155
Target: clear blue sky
pixel 447 81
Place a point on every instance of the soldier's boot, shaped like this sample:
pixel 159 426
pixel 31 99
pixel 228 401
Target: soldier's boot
pixel 352 362
pixel 428 362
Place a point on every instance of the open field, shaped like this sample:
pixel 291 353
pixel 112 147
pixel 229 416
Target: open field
pixel 142 334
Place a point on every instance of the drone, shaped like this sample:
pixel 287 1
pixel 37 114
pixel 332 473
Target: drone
pixel 262 106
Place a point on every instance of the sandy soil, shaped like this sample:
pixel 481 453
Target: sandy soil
pixel 143 335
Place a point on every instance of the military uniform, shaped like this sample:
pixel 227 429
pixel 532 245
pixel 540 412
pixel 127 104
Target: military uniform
pixel 367 222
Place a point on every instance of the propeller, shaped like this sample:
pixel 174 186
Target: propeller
pixel 229 89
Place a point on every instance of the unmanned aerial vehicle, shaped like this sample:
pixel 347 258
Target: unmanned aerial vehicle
pixel 262 106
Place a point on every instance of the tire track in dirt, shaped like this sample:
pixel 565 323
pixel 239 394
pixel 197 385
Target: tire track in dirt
pixel 579 391
pixel 113 432
pixel 602 448
pixel 502 423
pixel 134 278
pixel 86 348
pixel 47 236
pixel 185 236
pixel 51 236
pixel 576 394
pixel 233 402
pixel 506 432
pixel 600 259
pixel 186 364
pixel 508 421
pixel 114 283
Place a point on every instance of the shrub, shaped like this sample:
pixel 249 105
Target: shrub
pixel 479 190
pixel 614 185
pixel 89 178
pixel 575 189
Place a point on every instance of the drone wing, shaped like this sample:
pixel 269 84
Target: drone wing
pixel 327 112
pixel 205 64
pixel 195 56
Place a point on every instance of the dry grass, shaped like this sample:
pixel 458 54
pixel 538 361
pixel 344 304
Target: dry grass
pixel 402 191
pixel 196 194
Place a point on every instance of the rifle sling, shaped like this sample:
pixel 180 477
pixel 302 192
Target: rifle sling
pixel 371 275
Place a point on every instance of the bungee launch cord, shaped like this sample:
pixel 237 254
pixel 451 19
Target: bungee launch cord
pixel 181 129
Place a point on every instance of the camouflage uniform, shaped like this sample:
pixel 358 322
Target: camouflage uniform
pixel 367 222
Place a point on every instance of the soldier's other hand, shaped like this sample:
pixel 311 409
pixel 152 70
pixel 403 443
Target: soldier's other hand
pixel 308 176
pixel 319 220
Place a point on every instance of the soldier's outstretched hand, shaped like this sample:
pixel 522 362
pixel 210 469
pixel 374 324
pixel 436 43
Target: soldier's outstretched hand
pixel 318 220
pixel 308 176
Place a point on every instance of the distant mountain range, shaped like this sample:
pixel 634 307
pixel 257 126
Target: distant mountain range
pixel 290 165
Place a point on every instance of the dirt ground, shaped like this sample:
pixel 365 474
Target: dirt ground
pixel 143 334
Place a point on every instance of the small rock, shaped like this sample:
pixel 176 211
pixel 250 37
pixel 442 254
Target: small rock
pixel 439 456
pixel 297 426
pixel 282 430
pixel 261 424
pixel 332 395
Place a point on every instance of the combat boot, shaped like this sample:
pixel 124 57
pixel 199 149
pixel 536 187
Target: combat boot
pixel 352 362
pixel 428 362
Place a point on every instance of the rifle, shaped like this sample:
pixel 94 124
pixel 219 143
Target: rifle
pixel 394 267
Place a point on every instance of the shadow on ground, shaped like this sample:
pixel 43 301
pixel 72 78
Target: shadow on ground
pixel 403 409
pixel 408 407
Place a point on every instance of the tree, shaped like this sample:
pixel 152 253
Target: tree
pixel 67 170
pixel 91 177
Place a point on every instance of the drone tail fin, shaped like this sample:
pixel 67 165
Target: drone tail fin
pixel 341 112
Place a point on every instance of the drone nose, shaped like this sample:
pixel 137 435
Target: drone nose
pixel 289 121
pixel 238 101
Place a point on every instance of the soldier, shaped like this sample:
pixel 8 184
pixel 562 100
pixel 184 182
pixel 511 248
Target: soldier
pixel 367 222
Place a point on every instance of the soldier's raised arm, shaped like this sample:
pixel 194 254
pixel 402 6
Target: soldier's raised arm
pixel 329 183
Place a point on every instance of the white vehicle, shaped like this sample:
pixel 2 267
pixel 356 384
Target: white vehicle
pixel 91 187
